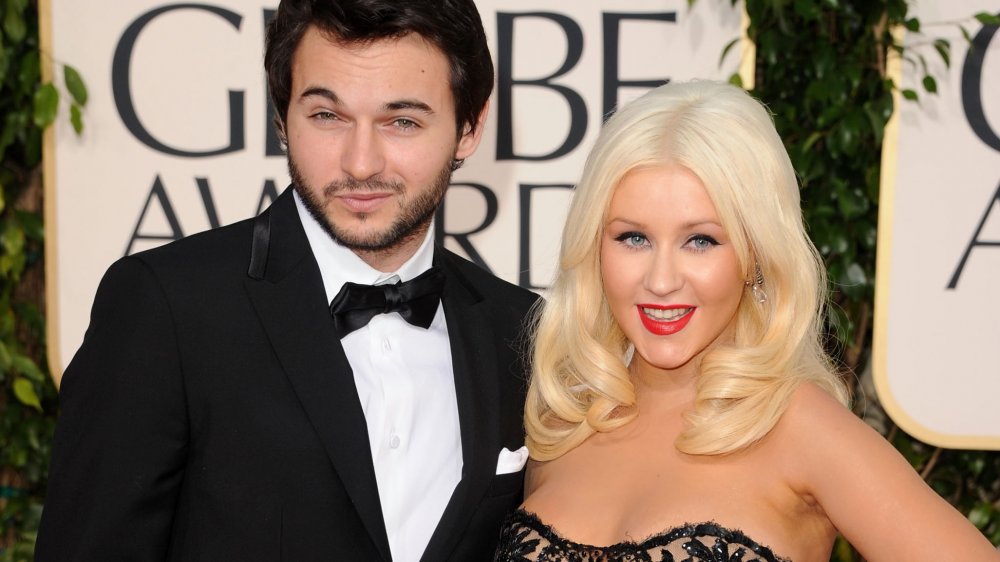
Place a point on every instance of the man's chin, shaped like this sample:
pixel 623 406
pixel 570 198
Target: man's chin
pixel 359 237
pixel 371 240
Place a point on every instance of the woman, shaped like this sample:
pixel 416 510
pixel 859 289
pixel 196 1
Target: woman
pixel 681 405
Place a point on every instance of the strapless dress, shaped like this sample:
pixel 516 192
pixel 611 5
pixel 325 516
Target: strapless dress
pixel 526 539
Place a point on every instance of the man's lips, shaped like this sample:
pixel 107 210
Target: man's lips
pixel 363 202
pixel 665 320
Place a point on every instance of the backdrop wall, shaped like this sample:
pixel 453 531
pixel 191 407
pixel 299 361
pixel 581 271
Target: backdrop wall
pixel 937 319
pixel 178 134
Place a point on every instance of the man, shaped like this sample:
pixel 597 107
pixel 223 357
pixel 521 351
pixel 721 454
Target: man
pixel 221 409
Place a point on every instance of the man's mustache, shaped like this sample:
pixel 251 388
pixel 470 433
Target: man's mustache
pixel 370 185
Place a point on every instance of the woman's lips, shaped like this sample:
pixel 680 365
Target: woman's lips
pixel 665 320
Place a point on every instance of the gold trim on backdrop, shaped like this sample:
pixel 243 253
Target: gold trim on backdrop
pixel 748 52
pixel 49 189
pixel 883 265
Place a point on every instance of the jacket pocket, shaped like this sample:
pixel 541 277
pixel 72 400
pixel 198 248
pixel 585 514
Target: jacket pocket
pixel 504 484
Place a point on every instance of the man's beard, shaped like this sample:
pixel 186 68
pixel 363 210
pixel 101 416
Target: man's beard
pixel 414 214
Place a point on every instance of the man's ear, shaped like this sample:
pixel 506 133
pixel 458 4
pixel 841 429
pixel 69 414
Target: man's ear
pixel 279 128
pixel 469 140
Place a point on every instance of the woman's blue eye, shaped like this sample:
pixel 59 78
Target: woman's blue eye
pixel 632 239
pixel 702 242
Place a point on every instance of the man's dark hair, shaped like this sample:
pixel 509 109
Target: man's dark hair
pixel 453 26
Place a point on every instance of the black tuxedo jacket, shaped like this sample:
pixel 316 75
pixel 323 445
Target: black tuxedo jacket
pixel 211 413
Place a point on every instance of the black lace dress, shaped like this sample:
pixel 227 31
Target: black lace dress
pixel 526 539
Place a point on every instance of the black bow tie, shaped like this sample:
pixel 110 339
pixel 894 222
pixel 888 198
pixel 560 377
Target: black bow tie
pixel 415 300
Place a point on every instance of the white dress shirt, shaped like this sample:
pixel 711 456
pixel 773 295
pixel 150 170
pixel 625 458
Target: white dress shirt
pixel 406 386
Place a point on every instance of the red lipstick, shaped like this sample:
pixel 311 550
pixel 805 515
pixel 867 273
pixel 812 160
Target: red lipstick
pixel 665 327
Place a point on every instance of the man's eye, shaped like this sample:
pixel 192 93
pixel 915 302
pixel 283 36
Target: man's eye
pixel 404 123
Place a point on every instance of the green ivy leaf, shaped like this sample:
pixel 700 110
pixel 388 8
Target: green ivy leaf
pixel 7 322
pixel 930 84
pixel 76 118
pixel 726 49
pixel 31 224
pixel 912 24
pixel 12 126
pixel 981 515
pixel 856 275
pixel 4 358
pixel 976 465
pixel 4 60
pixel 910 94
pixel 33 146
pixel 25 393
pixel 987 18
pixel 876 122
pixel 75 85
pixel 943 48
pixel 46 104
pixel 30 72
pixel 869 236
pixel 923 64
pixel 13 24
pixel 33 439
pixel 965 34
pixel 842 550
pixel 25 366
pixel 811 140
pixel 12 239
pixel 809 11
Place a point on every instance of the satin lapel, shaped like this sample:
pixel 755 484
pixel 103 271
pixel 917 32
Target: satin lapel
pixel 291 304
pixel 474 363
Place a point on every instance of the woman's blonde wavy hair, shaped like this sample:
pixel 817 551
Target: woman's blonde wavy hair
pixel 580 382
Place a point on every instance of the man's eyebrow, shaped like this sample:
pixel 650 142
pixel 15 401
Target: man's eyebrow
pixel 320 92
pixel 398 105
pixel 415 105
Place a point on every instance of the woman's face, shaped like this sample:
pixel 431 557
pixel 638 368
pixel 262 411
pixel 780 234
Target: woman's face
pixel 670 273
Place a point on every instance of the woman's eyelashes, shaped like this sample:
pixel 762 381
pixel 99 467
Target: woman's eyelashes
pixel 695 242
pixel 701 242
pixel 632 239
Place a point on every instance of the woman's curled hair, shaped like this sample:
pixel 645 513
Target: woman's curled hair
pixel 580 382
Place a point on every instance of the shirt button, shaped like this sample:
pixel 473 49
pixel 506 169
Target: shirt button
pixel 394 442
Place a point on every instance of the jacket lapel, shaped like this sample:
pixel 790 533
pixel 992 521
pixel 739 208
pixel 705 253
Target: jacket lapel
pixel 475 367
pixel 287 292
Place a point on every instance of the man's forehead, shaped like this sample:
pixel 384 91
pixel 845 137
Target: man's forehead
pixel 365 44
pixel 388 73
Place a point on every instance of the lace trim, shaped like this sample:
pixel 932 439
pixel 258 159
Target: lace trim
pixel 524 533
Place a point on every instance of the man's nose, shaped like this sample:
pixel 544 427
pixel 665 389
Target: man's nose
pixel 363 153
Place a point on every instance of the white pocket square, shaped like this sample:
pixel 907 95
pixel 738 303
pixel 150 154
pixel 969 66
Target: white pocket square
pixel 511 461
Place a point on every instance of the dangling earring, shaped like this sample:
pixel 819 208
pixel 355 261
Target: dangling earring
pixel 629 352
pixel 757 285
